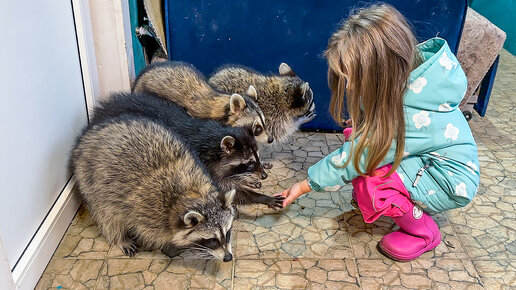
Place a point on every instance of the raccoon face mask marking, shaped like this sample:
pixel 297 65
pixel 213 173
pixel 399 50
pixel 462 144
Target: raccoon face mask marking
pixel 259 132
pixel 252 116
pixel 211 237
pixel 240 157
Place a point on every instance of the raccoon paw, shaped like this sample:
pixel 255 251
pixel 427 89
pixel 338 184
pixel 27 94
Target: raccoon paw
pixel 275 202
pixel 128 247
pixel 267 165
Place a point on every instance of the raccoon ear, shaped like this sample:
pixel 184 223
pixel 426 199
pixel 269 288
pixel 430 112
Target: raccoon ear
pixel 227 144
pixel 229 197
pixel 285 70
pixel 192 218
pixel 305 87
pixel 251 91
pixel 236 103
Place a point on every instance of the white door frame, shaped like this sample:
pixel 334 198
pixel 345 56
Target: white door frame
pixel 34 260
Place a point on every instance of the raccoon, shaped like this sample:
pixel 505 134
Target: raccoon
pixel 183 84
pixel 229 153
pixel 285 99
pixel 146 190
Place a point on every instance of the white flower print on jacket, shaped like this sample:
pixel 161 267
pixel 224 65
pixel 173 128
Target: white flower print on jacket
pixel 421 119
pixel 446 62
pixel 339 159
pixel 417 85
pixel 472 167
pixel 332 188
pixel 445 107
pixel 451 132
pixel 460 190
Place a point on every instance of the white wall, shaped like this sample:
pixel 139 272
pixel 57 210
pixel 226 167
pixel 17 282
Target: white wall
pixel 111 27
pixel 42 109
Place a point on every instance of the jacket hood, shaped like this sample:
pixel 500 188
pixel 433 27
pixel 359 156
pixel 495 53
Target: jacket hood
pixel 438 75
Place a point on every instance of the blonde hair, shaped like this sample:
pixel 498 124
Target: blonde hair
pixel 370 58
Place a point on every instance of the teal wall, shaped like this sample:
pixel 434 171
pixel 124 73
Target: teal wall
pixel 139 60
pixel 503 14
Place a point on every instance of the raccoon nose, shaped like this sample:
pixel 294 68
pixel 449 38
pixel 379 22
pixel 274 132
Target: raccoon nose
pixel 228 257
pixel 264 175
pixel 270 139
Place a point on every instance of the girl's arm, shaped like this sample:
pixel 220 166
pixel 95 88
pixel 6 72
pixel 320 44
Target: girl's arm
pixel 328 172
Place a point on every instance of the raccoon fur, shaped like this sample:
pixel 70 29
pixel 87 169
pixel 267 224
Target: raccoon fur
pixel 285 99
pixel 230 154
pixel 183 84
pixel 146 190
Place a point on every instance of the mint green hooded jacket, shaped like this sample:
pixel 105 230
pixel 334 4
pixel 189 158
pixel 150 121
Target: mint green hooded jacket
pixel 438 142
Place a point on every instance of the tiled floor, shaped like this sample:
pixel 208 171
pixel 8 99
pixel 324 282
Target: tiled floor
pixel 321 241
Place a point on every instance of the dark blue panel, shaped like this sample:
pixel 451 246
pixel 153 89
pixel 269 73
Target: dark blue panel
pixel 485 89
pixel 262 34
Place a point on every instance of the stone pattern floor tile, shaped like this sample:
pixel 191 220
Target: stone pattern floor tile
pixel 438 273
pixel 70 274
pixel 321 241
pixel 296 274
pixel 310 227
pixel 497 274
pixel 165 274
pixel 83 239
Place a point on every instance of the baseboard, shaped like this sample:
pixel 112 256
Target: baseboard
pixel 34 260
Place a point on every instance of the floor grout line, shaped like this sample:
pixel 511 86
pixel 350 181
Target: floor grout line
pixel 233 274
pixel 99 275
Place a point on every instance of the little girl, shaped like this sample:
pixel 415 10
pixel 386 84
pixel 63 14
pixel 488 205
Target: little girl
pixel 410 148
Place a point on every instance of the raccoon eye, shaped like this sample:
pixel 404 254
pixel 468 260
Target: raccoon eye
pixel 228 235
pixel 251 166
pixel 211 243
pixel 258 130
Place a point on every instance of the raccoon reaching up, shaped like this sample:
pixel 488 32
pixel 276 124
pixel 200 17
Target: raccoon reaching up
pixel 183 84
pixel 285 99
pixel 230 154
pixel 145 189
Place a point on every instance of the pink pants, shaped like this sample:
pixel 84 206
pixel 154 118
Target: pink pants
pixel 377 196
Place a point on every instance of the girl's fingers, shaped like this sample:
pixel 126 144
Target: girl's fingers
pixel 289 199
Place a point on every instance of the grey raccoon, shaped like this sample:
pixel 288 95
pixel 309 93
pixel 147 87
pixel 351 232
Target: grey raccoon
pixel 183 84
pixel 145 189
pixel 286 100
pixel 230 154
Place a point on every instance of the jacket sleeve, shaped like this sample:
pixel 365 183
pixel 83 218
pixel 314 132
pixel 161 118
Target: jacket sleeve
pixel 326 172
pixel 329 171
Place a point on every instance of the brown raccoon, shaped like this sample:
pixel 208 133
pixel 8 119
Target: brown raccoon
pixel 143 187
pixel 285 99
pixel 183 84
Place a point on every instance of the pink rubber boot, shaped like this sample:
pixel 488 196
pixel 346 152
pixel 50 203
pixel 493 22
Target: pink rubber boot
pixel 418 234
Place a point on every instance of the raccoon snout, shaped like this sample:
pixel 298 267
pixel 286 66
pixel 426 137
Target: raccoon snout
pixel 270 139
pixel 264 175
pixel 228 257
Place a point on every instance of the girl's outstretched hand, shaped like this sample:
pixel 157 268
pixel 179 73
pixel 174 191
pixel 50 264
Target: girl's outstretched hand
pixel 294 192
